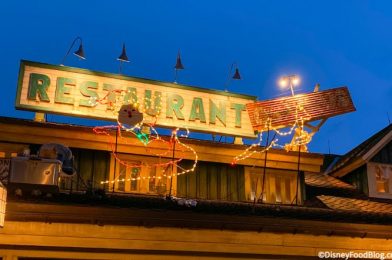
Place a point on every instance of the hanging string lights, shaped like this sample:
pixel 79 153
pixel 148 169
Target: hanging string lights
pixel 130 120
pixel 300 137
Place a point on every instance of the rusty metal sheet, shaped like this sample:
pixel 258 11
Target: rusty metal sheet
pixel 310 106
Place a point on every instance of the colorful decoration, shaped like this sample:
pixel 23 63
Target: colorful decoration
pixel 129 115
pixel 299 141
pixel 131 120
pixel 295 114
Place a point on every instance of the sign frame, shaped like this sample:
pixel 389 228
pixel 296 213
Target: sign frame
pixel 180 87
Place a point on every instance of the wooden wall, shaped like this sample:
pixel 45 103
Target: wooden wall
pixel 212 181
pixel 384 155
pixel 86 241
pixel 84 138
pixel 359 179
pixel 92 167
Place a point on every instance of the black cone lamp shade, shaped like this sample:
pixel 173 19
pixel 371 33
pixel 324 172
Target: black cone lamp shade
pixel 123 57
pixel 237 74
pixel 80 52
pixel 179 65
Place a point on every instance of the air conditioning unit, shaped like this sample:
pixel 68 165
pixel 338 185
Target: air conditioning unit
pixel 41 174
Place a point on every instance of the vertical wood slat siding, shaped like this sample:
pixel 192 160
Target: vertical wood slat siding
pixel 213 190
pixel 85 168
pixel 202 182
pixel 92 167
pixel 212 181
pixel 101 168
pixel 223 185
pixel 359 179
pixel 384 155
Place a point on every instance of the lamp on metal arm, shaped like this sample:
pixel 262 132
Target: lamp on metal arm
pixel 123 57
pixel 78 53
pixel 236 75
pixel 178 66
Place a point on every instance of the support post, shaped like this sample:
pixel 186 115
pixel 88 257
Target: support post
pixel 115 160
pixel 172 168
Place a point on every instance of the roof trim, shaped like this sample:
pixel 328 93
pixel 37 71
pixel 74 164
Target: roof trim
pixel 362 153
pixel 375 149
pixel 348 168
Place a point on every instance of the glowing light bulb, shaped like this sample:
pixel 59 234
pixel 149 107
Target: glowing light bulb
pixel 295 80
pixel 283 82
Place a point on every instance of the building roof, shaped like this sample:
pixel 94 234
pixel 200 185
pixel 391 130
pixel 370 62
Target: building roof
pixel 356 205
pixel 362 153
pixel 326 181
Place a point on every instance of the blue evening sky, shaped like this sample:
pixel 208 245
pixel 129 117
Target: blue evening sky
pixel 333 43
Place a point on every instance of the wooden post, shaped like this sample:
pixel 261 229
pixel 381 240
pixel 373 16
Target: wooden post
pixel 39 117
pixel 238 140
pixel 115 160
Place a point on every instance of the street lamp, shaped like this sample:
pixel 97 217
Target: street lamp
pixel 291 81
pixel 79 53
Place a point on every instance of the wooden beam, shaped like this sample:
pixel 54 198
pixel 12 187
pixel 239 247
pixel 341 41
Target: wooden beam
pixel 207 151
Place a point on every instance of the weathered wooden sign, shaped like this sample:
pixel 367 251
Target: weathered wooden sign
pixel 283 112
pixel 69 91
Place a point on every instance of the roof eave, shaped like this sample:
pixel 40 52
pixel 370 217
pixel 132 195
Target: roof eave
pixel 341 172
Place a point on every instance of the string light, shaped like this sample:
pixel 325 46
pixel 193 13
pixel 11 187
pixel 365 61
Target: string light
pixel 144 138
pixel 105 130
pixel 300 139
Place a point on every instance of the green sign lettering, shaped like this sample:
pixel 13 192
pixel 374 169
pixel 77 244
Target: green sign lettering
pixel 38 83
pixel 216 112
pixel 111 97
pixel 130 96
pixel 157 102
pixel 62 90
pixel 238 112
pixel 174 104
pixel 197 111
pixel 85 90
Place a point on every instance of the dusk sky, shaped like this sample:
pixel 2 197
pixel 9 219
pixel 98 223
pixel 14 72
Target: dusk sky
pixel 334 43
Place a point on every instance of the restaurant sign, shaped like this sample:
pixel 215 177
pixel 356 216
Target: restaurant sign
pixel 70 91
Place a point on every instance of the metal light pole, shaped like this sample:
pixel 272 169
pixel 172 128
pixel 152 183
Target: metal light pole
pixel 290 81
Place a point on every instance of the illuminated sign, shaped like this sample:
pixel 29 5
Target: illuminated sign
pixel 312 106
pixel 69 91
